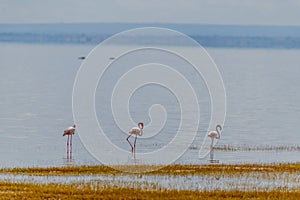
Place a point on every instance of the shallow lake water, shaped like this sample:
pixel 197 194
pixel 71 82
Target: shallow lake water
pixel 36 82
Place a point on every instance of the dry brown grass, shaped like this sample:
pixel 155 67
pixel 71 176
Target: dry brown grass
pixel 86 191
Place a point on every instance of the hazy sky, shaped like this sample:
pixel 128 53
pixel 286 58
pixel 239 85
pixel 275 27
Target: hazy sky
pixel 245 12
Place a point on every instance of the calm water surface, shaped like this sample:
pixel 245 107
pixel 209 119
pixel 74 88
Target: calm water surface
pixel 263 106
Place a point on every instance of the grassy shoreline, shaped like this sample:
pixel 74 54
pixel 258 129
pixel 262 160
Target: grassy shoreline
pixel 94 190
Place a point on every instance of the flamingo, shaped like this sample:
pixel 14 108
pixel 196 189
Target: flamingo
pixel 214 135
pixel 137 131
pixel 69 132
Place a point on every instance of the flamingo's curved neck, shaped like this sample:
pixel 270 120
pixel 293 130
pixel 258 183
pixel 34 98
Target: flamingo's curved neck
pixel 218 129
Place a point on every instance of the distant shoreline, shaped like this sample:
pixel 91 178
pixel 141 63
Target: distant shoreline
pixel 208 35
pixel 206 41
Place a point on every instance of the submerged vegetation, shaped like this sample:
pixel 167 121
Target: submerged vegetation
pixel 162 170
pixel 256 148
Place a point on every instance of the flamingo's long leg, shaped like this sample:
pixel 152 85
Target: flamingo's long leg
pixel 134 144
pixel 212 149
pixel 129 142
pixel 68 147
pixel 71 146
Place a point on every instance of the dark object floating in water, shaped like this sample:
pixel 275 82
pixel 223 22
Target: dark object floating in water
pixel 83 57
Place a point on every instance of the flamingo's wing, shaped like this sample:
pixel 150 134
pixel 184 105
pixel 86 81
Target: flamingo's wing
pixel 213 134
pixel 135 130
pixel 70 130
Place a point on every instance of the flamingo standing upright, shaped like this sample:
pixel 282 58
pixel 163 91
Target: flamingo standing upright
pixel 214 135
pixel 69 132
pixel 137 131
